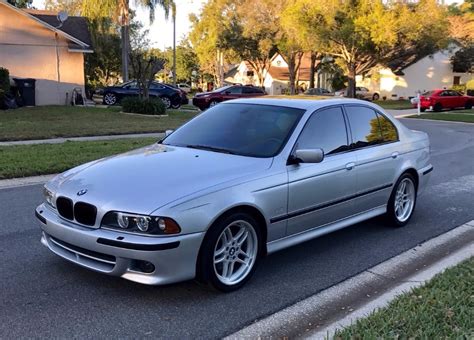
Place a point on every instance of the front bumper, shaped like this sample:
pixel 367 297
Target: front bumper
pixel 120 254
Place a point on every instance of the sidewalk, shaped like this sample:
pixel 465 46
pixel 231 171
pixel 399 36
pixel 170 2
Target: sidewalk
pixel 319 315
pixel 82 139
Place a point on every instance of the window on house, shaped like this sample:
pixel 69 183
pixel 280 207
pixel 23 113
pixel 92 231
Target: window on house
pixel 456 80
pixel 249 73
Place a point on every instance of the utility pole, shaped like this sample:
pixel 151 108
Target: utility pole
pixel 173 8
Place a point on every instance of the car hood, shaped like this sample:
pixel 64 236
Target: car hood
pixel 146 179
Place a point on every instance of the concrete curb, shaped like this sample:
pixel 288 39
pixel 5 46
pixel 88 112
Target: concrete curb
pixel 435 120
pixel 83 139
pixel 24 181
pixel 321 314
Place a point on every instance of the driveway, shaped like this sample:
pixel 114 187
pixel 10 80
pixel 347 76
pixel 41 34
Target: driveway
pixel 42 295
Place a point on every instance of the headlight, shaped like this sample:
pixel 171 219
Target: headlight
pixel 141 224
pixel 49 197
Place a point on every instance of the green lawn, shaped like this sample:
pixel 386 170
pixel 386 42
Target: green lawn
pixel 41 159
pixel 394 104
pixel 465 116
pixel 442 309
pixel 43 122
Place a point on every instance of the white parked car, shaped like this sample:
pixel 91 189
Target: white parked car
pixel 361 93
pixel 185 87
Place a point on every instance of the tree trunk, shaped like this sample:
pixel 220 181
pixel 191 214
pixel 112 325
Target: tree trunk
pixel 312 70
pixel 292 74
pixel 124 30
pixel 351 81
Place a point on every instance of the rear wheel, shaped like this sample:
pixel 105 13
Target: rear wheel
pixel 230 252
pixel 376 96
pixel 402 201
pixel 438 107
pixel 110 99
pixel 468 106
pixel 422 109
pixel 176 106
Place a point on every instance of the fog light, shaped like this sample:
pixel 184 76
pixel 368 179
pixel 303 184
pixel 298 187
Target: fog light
pixel 143 266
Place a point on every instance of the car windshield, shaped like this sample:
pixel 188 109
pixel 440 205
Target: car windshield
pixel 428 93
pixel 244 129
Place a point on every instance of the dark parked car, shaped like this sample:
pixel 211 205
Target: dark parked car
pixel 208 99
pixel 114 94
pixel 443 99
pixel 183 94
pixel 318 91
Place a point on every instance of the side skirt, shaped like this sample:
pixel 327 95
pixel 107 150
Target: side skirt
pixel 307 235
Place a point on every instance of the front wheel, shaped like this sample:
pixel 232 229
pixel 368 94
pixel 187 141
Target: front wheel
pixel 375 96
pixel 166 101
pixel 213 103
pixel 230 252
pixel 468 106
pixel 402 201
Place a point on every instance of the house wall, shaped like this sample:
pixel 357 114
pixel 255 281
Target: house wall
pixel 432 72
pixel 29 50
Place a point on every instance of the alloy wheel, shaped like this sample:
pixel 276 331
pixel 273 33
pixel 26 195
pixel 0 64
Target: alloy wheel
pixel 404 199
pixel 110 99
pixel 235 252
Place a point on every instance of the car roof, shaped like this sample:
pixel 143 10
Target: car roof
pixel 306 104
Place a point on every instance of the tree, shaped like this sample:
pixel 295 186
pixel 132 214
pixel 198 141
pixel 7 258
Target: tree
pixel 119 11
pixel 364 33
pixel 251 34
pixel 205 36
pixel 144 63
pixel 462 31
pixel 72 7
pixel 186 60
pixel 20 3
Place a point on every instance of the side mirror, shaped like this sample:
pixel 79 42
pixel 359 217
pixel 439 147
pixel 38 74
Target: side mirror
pixel 308 156
pixel 168 132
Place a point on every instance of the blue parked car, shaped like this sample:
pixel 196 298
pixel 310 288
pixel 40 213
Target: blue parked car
pixel 114 94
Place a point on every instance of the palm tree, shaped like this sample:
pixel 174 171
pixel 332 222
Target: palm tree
pixel 119 11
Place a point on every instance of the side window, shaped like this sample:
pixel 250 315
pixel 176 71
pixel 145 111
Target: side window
pixel 235 90
pixel 325 129
pixel 248 89
pixel 365 126
pixel 389 131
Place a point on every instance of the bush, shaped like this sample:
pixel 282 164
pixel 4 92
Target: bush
pixel 4 84
pixel 470 85
pixel 459 88
pixel 152 106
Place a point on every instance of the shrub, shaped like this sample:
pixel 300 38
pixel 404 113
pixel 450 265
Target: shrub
pixel 152 106
pixel 470 85
pixel 459 88
pixel 4 83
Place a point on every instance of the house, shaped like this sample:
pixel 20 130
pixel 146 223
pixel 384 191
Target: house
pixel 404 78
pixel 34 44
pixel 277 77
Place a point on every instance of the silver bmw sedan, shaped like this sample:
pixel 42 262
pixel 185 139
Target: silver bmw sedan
pixel 242 180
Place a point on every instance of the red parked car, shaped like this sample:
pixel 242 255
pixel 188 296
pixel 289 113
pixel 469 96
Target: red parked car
pixel 208 99
pixel 444 99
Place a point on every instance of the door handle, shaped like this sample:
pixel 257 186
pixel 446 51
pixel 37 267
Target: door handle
pixel 350 166
pixel 395 155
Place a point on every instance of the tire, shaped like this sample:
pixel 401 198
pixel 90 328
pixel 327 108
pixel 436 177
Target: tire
pixel 221 249
pixel 110 99
pixel 399 215
pixel 422 109
pixel 468 106
pixel 438 107
pixel 376 96
pixel 166 101
pixel 213 103
pixel 176 106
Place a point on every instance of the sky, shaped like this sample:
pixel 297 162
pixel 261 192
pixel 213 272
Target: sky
pixel 161 31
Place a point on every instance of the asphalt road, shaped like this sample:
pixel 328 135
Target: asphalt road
pixel 42 295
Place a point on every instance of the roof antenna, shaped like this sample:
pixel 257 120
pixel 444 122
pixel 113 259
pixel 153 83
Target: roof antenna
pixel 62 17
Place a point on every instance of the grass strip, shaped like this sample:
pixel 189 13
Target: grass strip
pixel 42 122
pixel 441 309
pixel 455 116
pixel 42 159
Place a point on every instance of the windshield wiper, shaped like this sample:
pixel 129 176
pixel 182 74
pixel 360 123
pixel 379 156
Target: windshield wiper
pixel 209 148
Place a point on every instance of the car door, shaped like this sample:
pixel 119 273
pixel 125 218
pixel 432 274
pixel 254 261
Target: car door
pixel 131 89
pixel 376 149
pixel 320 193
